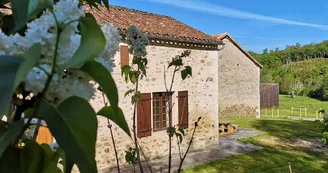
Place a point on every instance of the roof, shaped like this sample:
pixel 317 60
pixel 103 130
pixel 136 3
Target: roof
pixel 6 11
pixel 264 86
pixel 154 25
pixel 226 35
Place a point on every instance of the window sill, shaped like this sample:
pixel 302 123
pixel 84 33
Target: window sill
pixel 158 130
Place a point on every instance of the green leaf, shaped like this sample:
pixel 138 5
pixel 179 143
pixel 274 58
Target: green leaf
pixel 10 161
pixel 128 92
pixel 68 165
pixel 32 57
pixel 182 131
pixel 51 159
pixel 116 115
pixel 176 62
pixel 74 125
pixel 36 6
pixel 104 78
pixel 10 136
pixel 47 151
pixel 186 72
pixel 106 3
pixel 8 24
pixel 131 156
pixel 189 70
pixel 170 131
pixel 92 42
pixel 26 10
pixel 179 136
pixel 133 77
pixel 126 70
pixel 3 127
pixel 32 158
pixel 4 2
pixel 8 71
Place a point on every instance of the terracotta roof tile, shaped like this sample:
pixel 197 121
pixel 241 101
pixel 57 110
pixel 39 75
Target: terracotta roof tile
pixel 6 11
pixel 150 23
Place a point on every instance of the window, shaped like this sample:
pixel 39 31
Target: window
pixel 161 112
pixel 124 52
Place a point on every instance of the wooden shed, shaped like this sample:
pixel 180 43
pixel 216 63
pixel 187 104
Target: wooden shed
pixel 269 93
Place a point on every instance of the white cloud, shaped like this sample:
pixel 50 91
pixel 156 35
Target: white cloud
pixel 228 12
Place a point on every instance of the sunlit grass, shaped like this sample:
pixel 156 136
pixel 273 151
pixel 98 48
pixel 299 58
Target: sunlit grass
pixel 286 103
pixel 273 158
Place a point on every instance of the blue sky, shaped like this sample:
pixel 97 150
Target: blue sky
pixel 255 24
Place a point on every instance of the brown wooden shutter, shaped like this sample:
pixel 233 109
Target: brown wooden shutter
pixel 44 136
pixel 124 50
pixel 183 109
pixel 144 115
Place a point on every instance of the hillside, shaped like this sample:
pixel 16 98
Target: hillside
pixel 300 70
pixel 307 78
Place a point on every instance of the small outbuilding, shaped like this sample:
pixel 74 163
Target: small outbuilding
pixel 269 95
pixel 239 80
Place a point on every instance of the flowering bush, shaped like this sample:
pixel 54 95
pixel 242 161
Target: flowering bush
pixel 50 64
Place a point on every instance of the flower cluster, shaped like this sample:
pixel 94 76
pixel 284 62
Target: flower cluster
pixel 43 30
pixel 113 39
pixel 137 42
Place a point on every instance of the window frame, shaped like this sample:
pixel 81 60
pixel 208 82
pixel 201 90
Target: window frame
pixel 161 96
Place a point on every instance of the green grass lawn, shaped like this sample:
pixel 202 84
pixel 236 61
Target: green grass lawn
pixel 286 103
pixel 279 148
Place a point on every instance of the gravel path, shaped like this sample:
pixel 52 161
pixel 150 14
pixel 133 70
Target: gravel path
pixel 227 147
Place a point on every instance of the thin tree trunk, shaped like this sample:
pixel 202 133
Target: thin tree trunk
pixel 168 91
pixel 134 129
pixel 115 150
pixel 112 136
pixel 191 140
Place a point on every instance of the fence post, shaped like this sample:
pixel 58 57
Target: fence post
pixel 305 112
pixel 301 113
pixel 320 115
pixel 278 112
pixel 291 112
pixel 316 114
pixel 266 111
pixel 272 112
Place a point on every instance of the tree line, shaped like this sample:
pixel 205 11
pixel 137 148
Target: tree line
pixel 299 69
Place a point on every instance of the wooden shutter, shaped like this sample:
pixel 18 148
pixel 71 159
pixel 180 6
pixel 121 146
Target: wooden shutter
pixel 183 109
pixel 124 50
pixel 44 136
pixel 144 115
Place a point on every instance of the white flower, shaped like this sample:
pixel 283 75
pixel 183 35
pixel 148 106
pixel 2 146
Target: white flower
pixel 43 30
pixel 68 10
pixel 70 83
pixel 36 79
pixel 113 39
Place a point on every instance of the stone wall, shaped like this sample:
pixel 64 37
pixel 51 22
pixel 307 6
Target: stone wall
pixel 239 81
pixel 203 94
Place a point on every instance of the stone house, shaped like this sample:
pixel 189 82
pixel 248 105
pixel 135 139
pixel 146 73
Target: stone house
pixel 239 80
pixel 197 96
pixel 225 82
